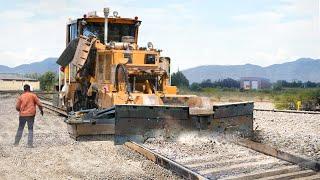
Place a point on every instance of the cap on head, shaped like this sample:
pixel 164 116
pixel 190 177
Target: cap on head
pixel 26 87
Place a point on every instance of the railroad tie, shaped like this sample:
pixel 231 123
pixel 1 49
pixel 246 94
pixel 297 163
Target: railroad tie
pixel 291 175
pixel 222 161
pixel 236 166
pixel 264 173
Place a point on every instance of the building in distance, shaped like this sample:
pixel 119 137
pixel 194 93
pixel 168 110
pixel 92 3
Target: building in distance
pixel 15 82
pixel 248 83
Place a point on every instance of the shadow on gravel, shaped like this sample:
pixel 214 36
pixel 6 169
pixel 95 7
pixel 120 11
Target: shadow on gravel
pixel 257 137
pixel 95 138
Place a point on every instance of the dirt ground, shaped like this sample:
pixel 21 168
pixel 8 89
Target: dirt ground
pixel 56 156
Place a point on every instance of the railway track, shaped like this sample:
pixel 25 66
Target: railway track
pixel 255 161
pixel 288 111
pixel 46 100
pixel 258 162
pixel 48 105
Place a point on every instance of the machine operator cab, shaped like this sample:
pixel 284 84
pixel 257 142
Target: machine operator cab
pixel 102 52
pixel 106 29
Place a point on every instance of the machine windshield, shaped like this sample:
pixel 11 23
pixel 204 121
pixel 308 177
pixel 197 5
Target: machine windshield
pixel 96 29
pixel 115 31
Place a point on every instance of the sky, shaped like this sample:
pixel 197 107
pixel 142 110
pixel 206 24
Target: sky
pixel 191 32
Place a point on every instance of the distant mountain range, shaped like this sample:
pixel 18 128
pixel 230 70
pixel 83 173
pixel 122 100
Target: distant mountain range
pixel 48 64
pixel 304 69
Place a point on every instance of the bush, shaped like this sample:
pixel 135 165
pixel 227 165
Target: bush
pixel 195 87
pixel 48 80
pixel 289 98
pixel 225 83
pixel 179 79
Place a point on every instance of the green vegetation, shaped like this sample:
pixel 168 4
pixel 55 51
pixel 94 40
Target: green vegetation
pixel 296 84
pixel 284 95
pixel 225 83
pixel 179 79
pixel 231 94
pixel 289 98
pixel 47 80
pixel 286 98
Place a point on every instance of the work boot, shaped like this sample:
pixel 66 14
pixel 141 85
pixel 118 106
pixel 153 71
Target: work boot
pixel 15 144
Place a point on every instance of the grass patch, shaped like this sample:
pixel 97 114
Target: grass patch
pixel 286 98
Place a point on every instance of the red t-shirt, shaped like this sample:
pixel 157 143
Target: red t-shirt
pixel 26 104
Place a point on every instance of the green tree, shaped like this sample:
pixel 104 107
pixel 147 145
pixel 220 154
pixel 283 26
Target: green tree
pixel 195 87
pixel 48 80
pixel 179 79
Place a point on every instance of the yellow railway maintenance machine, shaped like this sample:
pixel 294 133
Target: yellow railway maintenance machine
pixel 110 85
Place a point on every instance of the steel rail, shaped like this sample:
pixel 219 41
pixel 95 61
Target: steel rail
pixel 287 111
pixel 165 162
pixel 271 151
pixel 298 168
pixel 53 108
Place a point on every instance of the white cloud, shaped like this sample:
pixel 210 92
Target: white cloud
pixel 265 17
pixel 10 58
pixel 278 34
pixel 15 15
pixel 305 7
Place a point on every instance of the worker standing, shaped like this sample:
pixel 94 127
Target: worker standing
pixel 26 105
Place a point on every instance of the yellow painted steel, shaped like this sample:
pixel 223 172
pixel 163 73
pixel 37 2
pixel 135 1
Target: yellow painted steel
pixel 149 78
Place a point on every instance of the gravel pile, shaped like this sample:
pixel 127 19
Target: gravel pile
pixel 204 152
pixel 294 133
pixel 191 146
pixel 56 156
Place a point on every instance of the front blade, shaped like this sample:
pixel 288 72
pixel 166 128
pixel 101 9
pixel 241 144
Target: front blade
pixel 138 123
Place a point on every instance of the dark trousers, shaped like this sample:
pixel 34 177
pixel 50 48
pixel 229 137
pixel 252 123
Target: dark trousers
pixel 22 123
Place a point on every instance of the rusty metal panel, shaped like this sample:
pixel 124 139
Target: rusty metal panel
pixel 67 55
pixel 243 125
pixel 94 129
pixel 82 51
pixel 140 111
pixel 233 109
pixel 84 129
pixel 201 122
pixel 137 123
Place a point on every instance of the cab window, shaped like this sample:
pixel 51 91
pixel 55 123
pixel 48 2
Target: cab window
pixel 115 31
pixel 96 29
pixel 73 33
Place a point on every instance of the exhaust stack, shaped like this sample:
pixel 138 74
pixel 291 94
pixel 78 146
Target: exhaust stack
pixel 106 15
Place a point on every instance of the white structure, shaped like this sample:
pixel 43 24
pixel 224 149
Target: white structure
pixel 15 82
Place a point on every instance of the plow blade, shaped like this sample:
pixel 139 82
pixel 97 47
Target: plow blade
pixel 138 123
pixel 233 117
pixel 91 122
pixel 229 118
pixel 131 122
